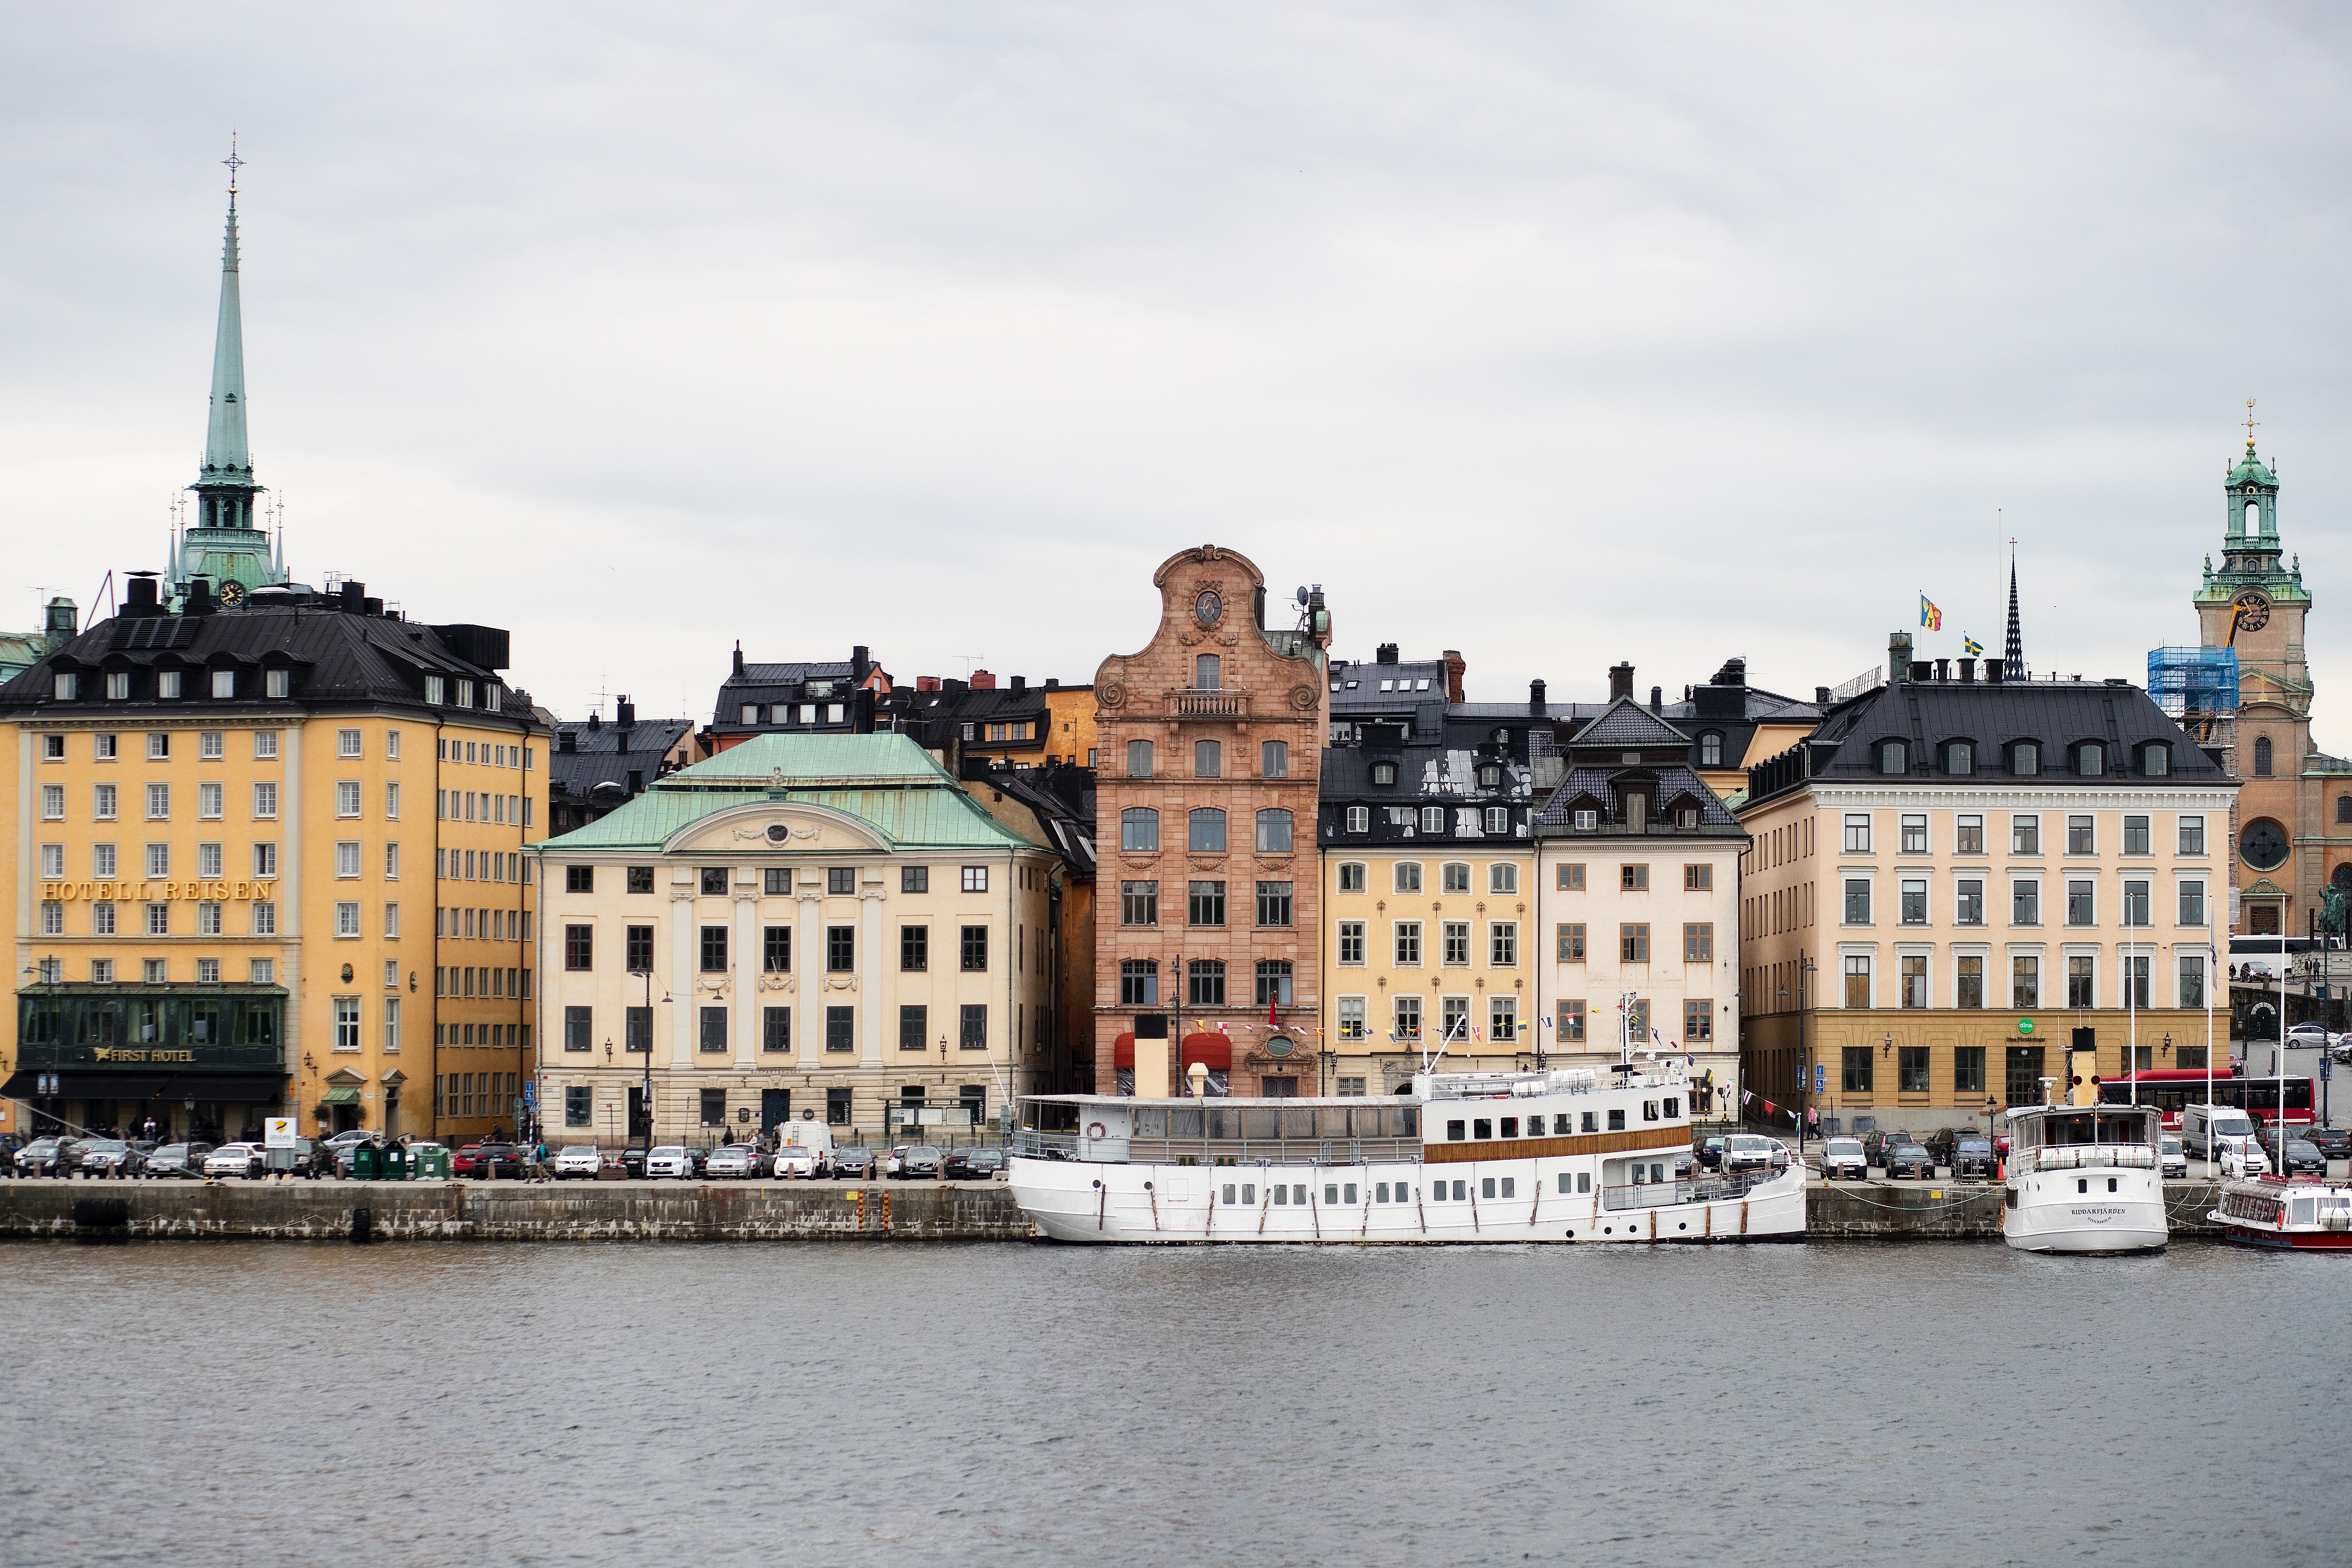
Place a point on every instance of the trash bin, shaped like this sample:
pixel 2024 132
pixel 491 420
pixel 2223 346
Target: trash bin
pixel 366 1162
pixel 430 1165
pixel 393 1166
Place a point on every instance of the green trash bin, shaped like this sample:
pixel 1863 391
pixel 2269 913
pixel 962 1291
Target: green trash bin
pixel 366 1162
pixel 393 1166
pixel 430 1165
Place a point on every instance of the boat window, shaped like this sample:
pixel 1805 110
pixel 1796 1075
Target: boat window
pixel 1380 1193
pixel 1454 1132
pixel 1151 1123
pixel 1640 1176
pixel 1408 1121
pixel 1184 1123
pixel 1481 1129
pixel 1257 1122
pixel 1593 1122
pixel 1648 1111
pixel 2082 1184
pixel 1566 1184
pixel 1509 1183
pixel 1229 1192
pixel 1657 1173
pixel 1584 1181
pixel 1351 1193
pixel 1674 1107
pixel 1249 1193
pixel 1332 1121
pixel 1617 1120
pixel 1330 1191
pixel 1281 1194
pixel 1298 1124
pixel 1460 1191
pixel 2302 1211
pixel 1298 1194
pixel 1486 1188
pixel 2111 1184
pixel 1510 1126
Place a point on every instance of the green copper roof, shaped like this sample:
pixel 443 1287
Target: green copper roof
pixel 2251 471
pixel 886 781
pixel 227 459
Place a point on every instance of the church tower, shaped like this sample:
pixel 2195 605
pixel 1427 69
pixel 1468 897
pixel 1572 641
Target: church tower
pixel 2255 606
pixel 226 545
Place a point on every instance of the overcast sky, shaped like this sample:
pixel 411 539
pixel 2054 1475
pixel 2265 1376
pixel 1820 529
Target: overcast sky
pixel 1556 334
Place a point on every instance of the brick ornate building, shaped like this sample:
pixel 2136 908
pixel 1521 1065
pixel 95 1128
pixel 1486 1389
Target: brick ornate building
pixel 1210 739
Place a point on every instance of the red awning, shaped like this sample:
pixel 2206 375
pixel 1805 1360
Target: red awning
pixel 1122 1053
pixel 1213 1051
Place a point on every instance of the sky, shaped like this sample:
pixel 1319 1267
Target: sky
pixel 1555 335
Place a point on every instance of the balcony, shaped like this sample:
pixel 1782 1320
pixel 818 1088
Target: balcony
pixel 1192 702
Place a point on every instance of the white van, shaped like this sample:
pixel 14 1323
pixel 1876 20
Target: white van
pixel 2201 1124
pixel 815 1136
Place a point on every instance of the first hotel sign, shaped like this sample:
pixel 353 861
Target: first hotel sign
pixel 214 892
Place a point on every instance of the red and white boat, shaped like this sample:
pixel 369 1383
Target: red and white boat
pixel 2298 1214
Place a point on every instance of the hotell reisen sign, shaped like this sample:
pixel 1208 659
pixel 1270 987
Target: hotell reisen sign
pixel 159 892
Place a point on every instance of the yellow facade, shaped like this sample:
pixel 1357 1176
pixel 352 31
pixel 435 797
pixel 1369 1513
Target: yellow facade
pixel 1070 725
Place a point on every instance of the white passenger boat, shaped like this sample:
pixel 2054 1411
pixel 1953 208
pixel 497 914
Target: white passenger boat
pixel 2085 1179
pixel 2297 1214
pixel 1460 1158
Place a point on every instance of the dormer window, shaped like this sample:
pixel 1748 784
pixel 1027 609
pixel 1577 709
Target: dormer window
pixel 67 687
pixel 1384 772
pixel 2090 760
pixel 436 689
pixel 1959 757
pixel 1711 750
pixel 1587 821
pixel 1490 776
pixel 2026 758
pixel 118 686
pixel 280 683
pixel 2156 760
pixel 1893 757
pixel 1686 817
pixel 167 683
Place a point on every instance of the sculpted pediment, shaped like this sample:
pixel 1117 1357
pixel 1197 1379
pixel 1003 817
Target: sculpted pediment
pixel 776 827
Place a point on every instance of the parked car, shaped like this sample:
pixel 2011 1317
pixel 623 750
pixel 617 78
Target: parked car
pixel 731 1162
pixel 2336 1142
pixel 1746 1151
pixel 177 1160
pixel 103 1157
pixel 2241 1156
pixel 1970 1155
pixel 919 1160
pixel 1708 1151
pixel 2176 1161
pixel 975 1165
pixel 467 1161
pixel 578 1160
pixel 234 1160
pixel 795 1159
pixel 1877 1145
pixel 1910 1160
pixel 48 1157
pixel 2293 1154
pixel 854 1164
pixel 670 1159
pixel 1842 1159
pixel 633 1162
pixel 492 1161
pixel 342 1140
pixel 701 1158
pixel 2310 1037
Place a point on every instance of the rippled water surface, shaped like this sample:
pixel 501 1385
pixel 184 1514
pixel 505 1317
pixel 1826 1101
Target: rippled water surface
pixel 804 1405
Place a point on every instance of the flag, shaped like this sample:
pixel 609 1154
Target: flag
pixel 1929 616
pixel 1970 646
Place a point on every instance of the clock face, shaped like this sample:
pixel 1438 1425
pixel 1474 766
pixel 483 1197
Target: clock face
pixel 2253 610
pixel 232 593
pixel 2263 845
pixel 1208 609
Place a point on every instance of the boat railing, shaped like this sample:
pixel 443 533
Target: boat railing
pixel 2088 1156
pixel 1692 1190
pixel 1227 1151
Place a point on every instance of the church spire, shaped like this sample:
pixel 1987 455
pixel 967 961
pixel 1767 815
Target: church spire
pixel 2013 663
pixel 228 458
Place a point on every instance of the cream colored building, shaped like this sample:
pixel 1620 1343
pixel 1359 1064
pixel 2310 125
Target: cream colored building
pixel 813 927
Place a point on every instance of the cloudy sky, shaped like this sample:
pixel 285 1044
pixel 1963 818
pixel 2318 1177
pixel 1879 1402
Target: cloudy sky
pixel 1557 334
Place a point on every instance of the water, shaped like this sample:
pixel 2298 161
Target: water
pixel 913 1406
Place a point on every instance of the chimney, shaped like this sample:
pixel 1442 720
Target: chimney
pixel 140 599
pixel 1453 669
pixel 372 608
pixel 200 597
pixel 1655 693
pixel 1943 669
pixel 1385 653
pixel 927 683
pixel 1020 683
pixel 624 714
pixel 860 663
pixel 739 658
pixel 1967 672
pixel 1621 681
pixel 1995 671
pixel 636 781
pixel 983 681
pixel 1052 683
pixel 1822 696
pixel 566 741
pixel 1536 695
pixel 1898 658
pixel 595 719
pixel 354 600
pixel 62 618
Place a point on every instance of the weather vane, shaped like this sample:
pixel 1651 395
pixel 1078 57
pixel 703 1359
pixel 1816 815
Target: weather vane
pixel 2249 424
pixel 233 163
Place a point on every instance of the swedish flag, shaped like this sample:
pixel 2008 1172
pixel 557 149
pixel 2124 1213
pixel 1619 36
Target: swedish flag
pixel 1970 646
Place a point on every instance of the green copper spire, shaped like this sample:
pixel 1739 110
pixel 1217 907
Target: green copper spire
pixel 226 458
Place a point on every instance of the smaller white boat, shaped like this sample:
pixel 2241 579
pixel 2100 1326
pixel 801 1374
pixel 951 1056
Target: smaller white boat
pixel 2084 1178
pixel 2297 1214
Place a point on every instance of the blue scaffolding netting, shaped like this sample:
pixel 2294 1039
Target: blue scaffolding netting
pixel 2193 679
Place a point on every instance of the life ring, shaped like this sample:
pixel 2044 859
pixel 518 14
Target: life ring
pixel 1097 1130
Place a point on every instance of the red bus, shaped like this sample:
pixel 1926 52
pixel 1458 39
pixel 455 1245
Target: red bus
pixel 2173 1087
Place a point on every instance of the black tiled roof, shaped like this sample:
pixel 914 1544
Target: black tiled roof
pixel 599 755
pixel 1627 724
pixel 1674 782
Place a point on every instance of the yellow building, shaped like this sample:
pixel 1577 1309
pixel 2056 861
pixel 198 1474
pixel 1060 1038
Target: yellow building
pixel 230 830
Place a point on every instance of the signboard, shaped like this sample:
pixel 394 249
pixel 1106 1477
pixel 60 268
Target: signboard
pixel 531 1091
pixel 930 1116
pixel 1820 1078
pixel 278 1132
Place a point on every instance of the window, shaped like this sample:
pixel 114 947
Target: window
pixel 159 860
pixel 2136 970
pixel 347 859
pixel 1892 756
pixel 53 803
pixel 1857 833
pixel 159 745
pixel 1856 1076
pixel 67 687
pixel 1205 983
pixel 1139 903
pixel 1503 1022
pixel 2025 835
pixel 2025 759
pixel 264 800
pixel 1967 903
pixel 1572 879
pixel 390 862
pixel 2192 980
pixel 347 797
pixel 1857 979
pixel 638 1029
pixel 2192 829
pixel 841 879
pixel 1967 986
pixel 1407 1014
pixel 637 948
pixel 1139 828
pixel 712 1036
pixel 1454 943
pixel 1914 833
pixel 714 881
pixel 1913 975
pixel 1384 772
pixel 1968 834
pixel 975 878
pixel 840 949
pixel 1408 941
pixel 1274 760
pixel 1959 757
pixel 2024 982
pixel 1408 876
pixel 1273 983
pixel 580 878
pixel 347 918
pixel 347 1023
pixel 1206 835
pixel 103 799
pixel 159 801
pixel 265 745
pixel 1912 895
pixel 580 947
pixel 2139 904
pixel 641 880
pixel 1698 1020
pixel 1139 982
pixel 1453 877
pixel 1572 1018
pixel 2090 760
pixel 1711 750
pixel 840 1033
pixel 1206 903
pixel 1572 942
pixel 2082 836
pixel 1359 819
pixel 2192 903
pixel 1634 878
pixel 1910 1069
pixel 2080 903
pixel 1432 819
pixel 1857 900
pixel 1138 758
pixel 1698 941
pixel 579 1028
pixel 1352 877
pixel 972 957
pixel 2081 982
pixel 1503 944
pixel 2136 835
pixel 1274 903
pixel 1208 672
pixel 1273 832
pixel 1503 876
pixel 2025 903
pixel 265 917
pixel 1208 759
pixel 1351 1020
pixel 1351 942
pixel 1634 943
pixel 713 949
pixel 280 683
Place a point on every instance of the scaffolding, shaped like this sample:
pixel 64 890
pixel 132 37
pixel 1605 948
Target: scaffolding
pixel 2197 686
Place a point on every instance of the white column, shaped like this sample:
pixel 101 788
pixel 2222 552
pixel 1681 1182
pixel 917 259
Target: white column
pixel 746 1000
pixel 683 1016
pixel 869 973
pixel 808 965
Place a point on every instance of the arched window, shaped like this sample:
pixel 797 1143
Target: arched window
pixel 1453 877
pixel 2261 756
pixel 2342 878
pixel 2254 516
pixel 1207 830
pixel 1138 758
pixel 2026 758
pixel 2343 808
pixel 1273 832
pixel 1408 877
pixel 1208 759
pixel 2156 760
pixel 1959 757
pixel 1208 672
pixel 1711 750
pixel 2090 760
pixel 1139 828
pixel 1891 757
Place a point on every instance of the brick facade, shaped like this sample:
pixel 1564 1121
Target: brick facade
pixel 1266 687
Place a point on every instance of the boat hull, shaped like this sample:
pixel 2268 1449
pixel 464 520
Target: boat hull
pixel 1147 1204
pixel 2046 1215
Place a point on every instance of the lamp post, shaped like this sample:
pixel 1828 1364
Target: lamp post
pixel 1804 1059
